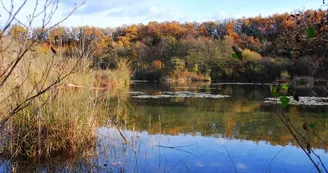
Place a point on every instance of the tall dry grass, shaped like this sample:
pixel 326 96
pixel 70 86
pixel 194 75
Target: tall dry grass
pixel 63 120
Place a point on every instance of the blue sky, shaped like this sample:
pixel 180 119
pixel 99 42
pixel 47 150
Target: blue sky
pixel 112 13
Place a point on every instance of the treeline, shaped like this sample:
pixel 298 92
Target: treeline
pixel 277 46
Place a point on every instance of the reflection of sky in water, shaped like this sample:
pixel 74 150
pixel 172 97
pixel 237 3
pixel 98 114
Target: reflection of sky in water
pixel 149 153
pixel 240 115
pixel 238 119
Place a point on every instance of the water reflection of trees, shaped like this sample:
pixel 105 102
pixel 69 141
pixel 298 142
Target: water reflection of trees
pixel 229 118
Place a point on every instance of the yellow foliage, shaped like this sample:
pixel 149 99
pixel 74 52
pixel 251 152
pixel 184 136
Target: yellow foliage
pixel 249 55
pixel 56 32
pixel 44 49
pixel 18 32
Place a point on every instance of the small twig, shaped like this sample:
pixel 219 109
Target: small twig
pixel 233 163
pixel 186 166
pixel 174 166
pixel 273 159
pixel 120 132
pixel 161 146
pixel 173 147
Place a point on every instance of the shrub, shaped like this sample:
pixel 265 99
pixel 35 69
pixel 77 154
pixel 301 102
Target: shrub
pixel 251 56
pixel 176 64
pixel 195 68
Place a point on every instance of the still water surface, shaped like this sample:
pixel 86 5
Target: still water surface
pixel 218 128
pixel 203 128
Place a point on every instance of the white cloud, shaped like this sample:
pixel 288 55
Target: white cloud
pixel 154 9
pixel 112 13
pixel 99 20
pixel 241 166
pixel 107 13
pixel 223 14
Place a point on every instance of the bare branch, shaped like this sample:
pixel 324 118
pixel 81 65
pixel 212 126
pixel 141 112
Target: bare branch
pixel 12 16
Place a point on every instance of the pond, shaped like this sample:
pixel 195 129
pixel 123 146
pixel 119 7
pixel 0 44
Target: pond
pixel 202 127
pixel 220 128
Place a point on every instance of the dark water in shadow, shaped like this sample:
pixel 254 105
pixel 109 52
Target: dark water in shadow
pixel 201 128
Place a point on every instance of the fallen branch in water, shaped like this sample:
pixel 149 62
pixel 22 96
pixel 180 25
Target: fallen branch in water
pixel 178 148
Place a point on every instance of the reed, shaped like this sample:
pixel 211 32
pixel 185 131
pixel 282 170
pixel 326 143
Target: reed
pixel 62 121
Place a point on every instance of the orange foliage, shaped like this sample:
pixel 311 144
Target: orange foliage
pixel 174 29
pixel 157 64
pixel 230 30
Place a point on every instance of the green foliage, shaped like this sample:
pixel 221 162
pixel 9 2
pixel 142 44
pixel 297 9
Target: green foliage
pixel 195 68
pixel 284 87
pixel 312 125
pixel 235 56
pixel 274 91
pixel 310 32
pixel 176 64
pixel 284 100
pixel 273 88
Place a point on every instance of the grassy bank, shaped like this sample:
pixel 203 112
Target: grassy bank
pixel 61 121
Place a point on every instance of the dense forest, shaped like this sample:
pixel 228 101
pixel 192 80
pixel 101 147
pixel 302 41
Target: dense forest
pixel 278 46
